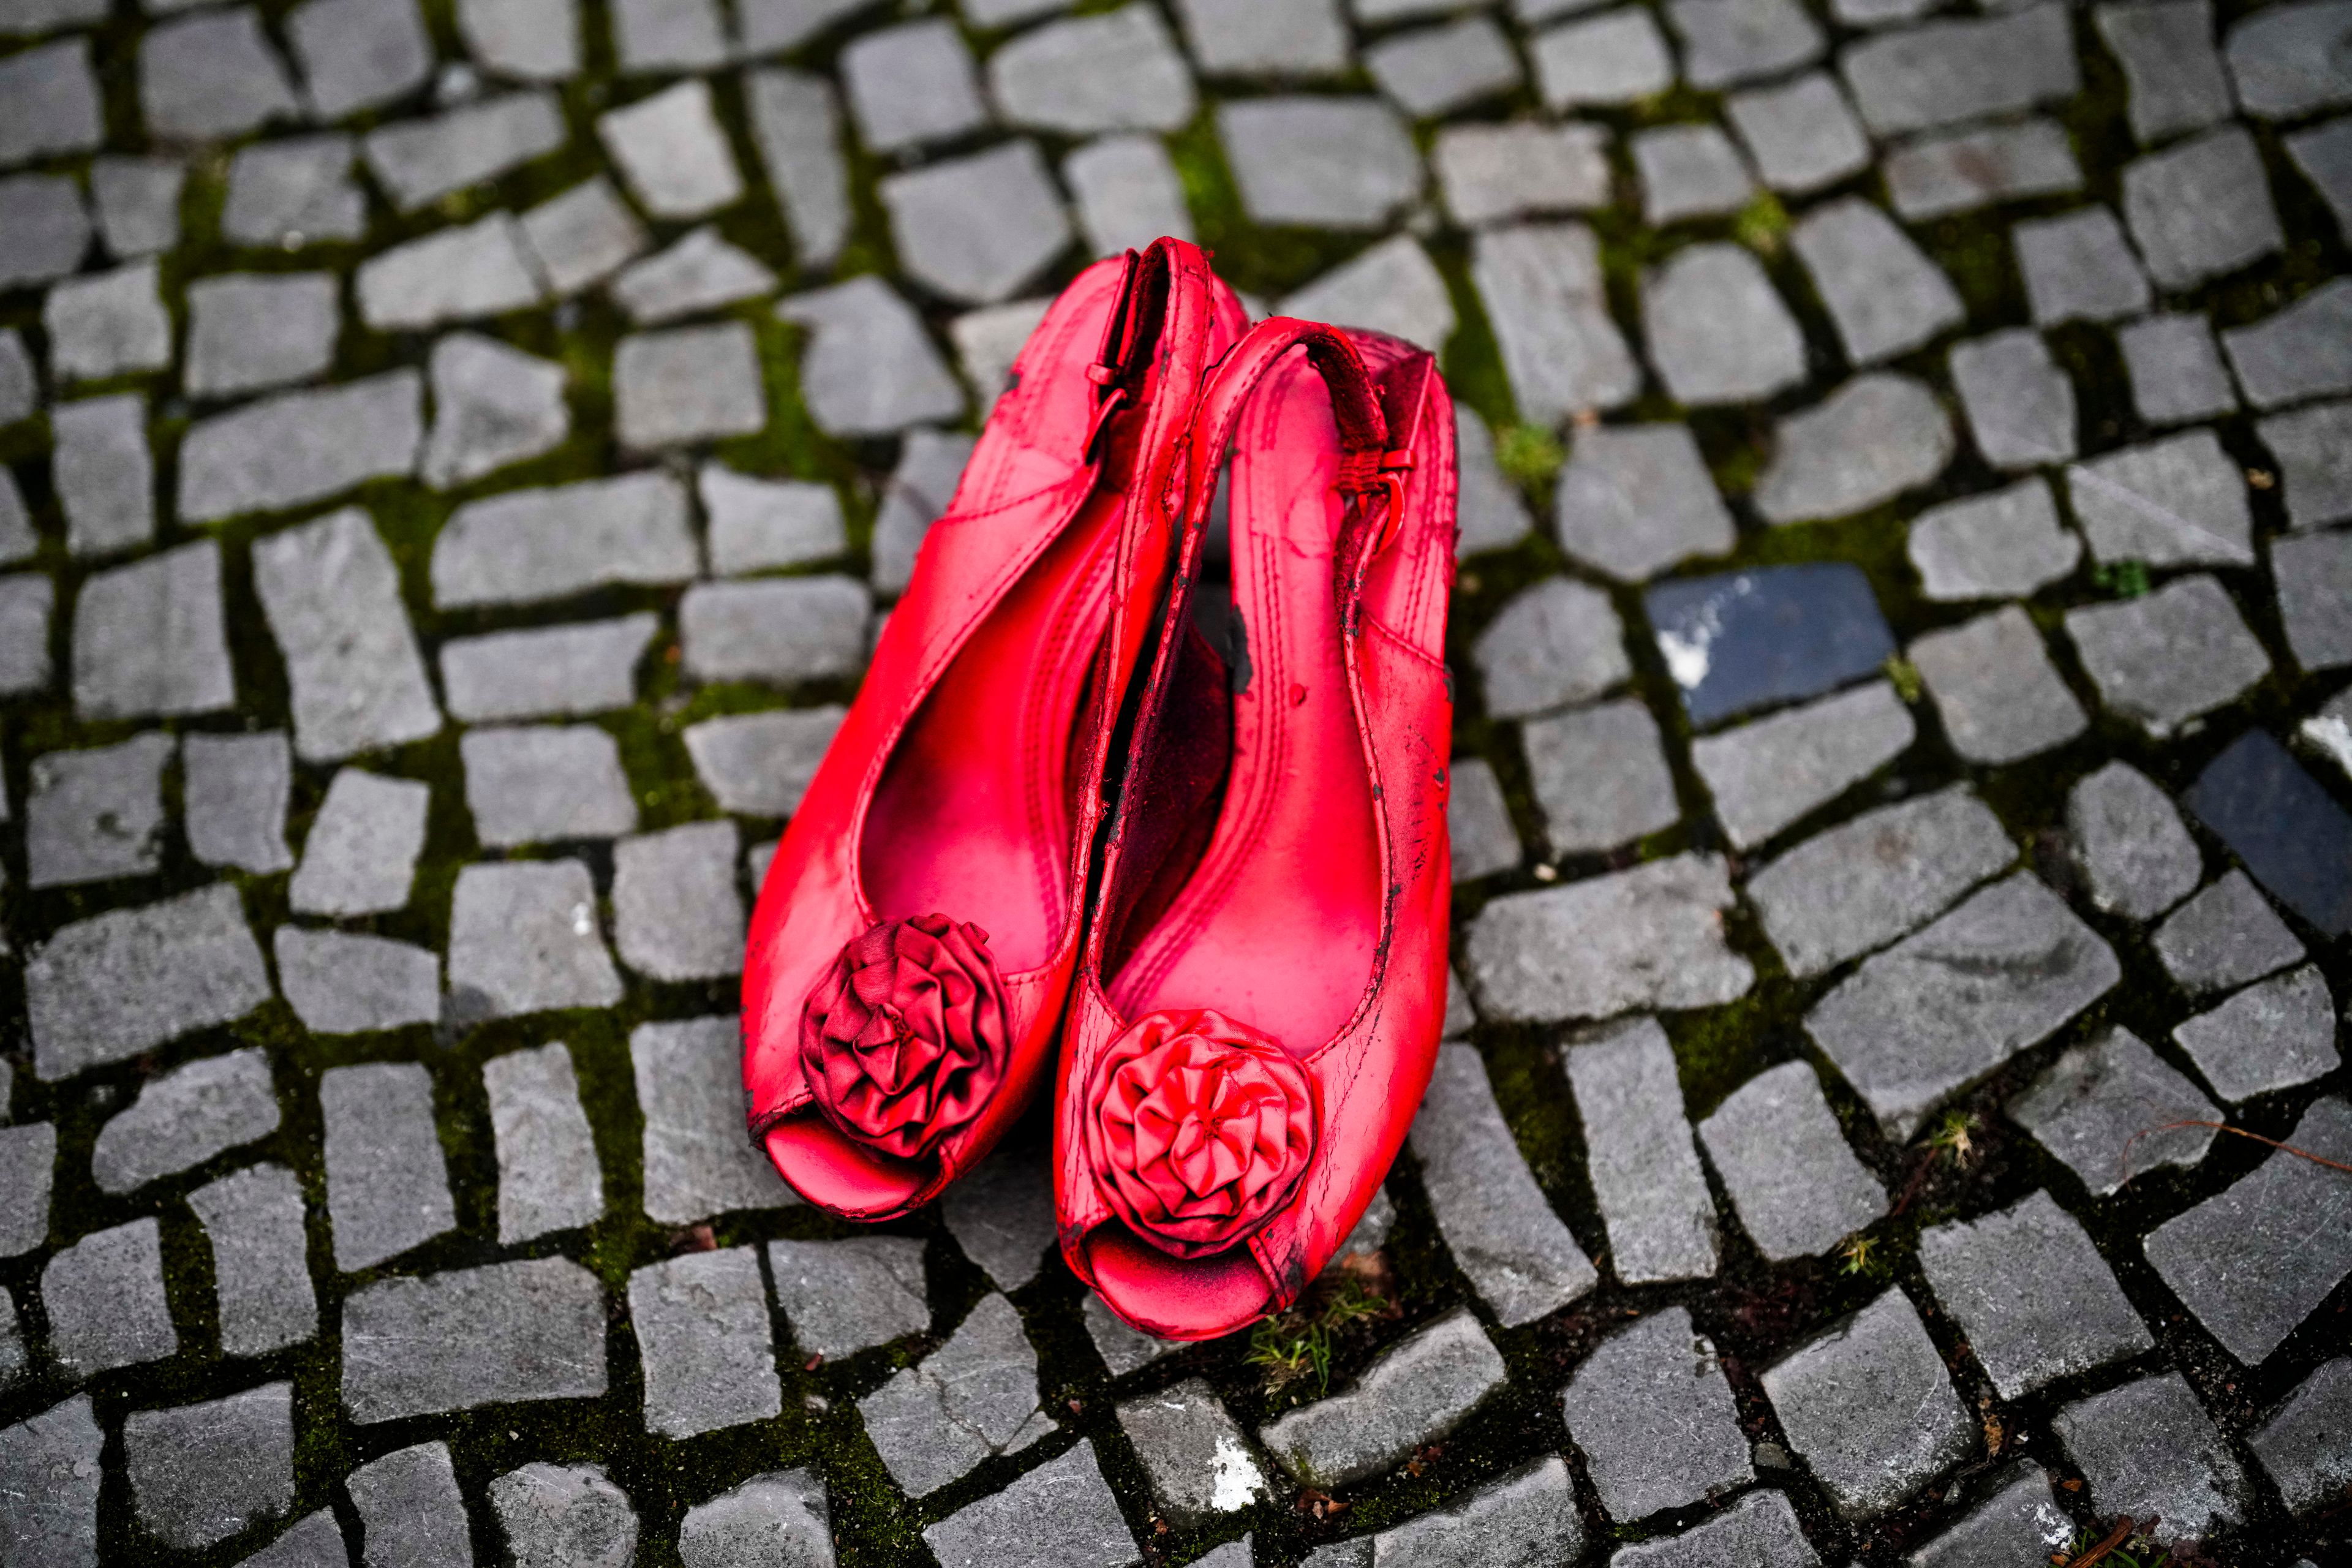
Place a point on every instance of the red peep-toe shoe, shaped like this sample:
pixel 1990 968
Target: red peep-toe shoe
pixel 1257 1009
pixel 912 947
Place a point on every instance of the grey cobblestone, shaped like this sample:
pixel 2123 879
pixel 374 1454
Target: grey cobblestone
pixel 301 447
pixel 2303 351
pixel 539 782
pixel 1437 70
pixel 253 1221
pixel 25 601
pixel 796 121
pixel 1761 1528
pixel 104 473
pixel 1127 193
pixel 1870 1408
pixel 1542 289
pixel 2201 208
pixel 1884 294
pixel 869 370
pixel 492 407
pixel 115 984
pixel 1876 878
pixel 1001 1213
pixel 703 1338
pixel 931 466
pixel 911 84
pixel 1558 642
pixel 471 1337
pixel 2027 1288
pixel 531 40
pixel 1277 37
pixel 844 1297
pixel 249 331
pixel 582 236
pixel 387 1185
pixel 2166 658
pixel 2174 502
pixel 675 913
pixel 418 162
pixel 548 1179
pixel 1196 1462
pixel 974 1398
pixel 1599 776
pixel 1492 173
pixel 1717 330
pixel 523 938
pixel 1801 133
pixel 2016 1523
pixel 211 77
pixel 564 1516
pixel 1653 1414
pixel 1937 175
pixel 410 1511
pixel 2078 267
pixel 105 324
pixel 2303 1446
pixel 2176 369
pixel 361 855
pixel 1946 72
pixel 2270 1036
pixel 28 1159
pixel 332 594
pixel 47 230
pixel 1794 1183
pixel 96 814
pixel 1419 1391
pixel 1391 288
pixel 530 545
pixel 2092 1103
pixel 104 1299
pixel 183 1117
pixel 2313 575
pixel 1612 58
pixel 294 193
pixel 203 1473
pixel 2138 857
pixel 672 153
pixel 584 667
pixel 687 385
pixel 2272 64
pixel 358 54
pixel 1768 775
pixel 1866 443
pixel 148 638
pixel 778 1518
pixel 49 1475
pixel 2020 403
pixel 1116 71
pixel 2148 1447
pixel 1648 938
pixel 698 1161
pixel 1479 821
pixel 1333 162
pixel 2315 477
pixel 1637 498
pixel 1998 694
pixel 759 764
pixel 700 272
pixel 1060 1515
pixel 2004 545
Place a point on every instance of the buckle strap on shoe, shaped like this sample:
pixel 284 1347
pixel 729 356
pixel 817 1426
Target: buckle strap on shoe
pixel 1123 334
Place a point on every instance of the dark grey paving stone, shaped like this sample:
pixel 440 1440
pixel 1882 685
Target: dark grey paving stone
pixel 1938 175
pixel 1865 443
pixel 1495 1220
pixel 470 1337
pixel 250 330
pixel 2280 64
pixel 1717 330
pixel 2172 72
pixel 2097 1106
pixel 361 855
pixel 1877 877
pixel 2324 154
pixel 1488 173
pixel 1195 1459
pixel 687 385
pixel 1265 37
pixel 1949 1003
pixel 104 324
pixel 1634 500
pixel 25 601
pixel 293 193
pixel 387 1185
pixel 870 369
pixel 1526 1516
pixel 922 488
pixel 2305 1446
pixel 2000 697
pixel 774 1520
pixel 104 1299
pixel 2020 403
pixel 203 1473
pixel 1439 69
pixel 315 1540
pixel 1127 193
pixel 46 229
pixel 1599 776
pixel 410 1511
pixel 756 523
pixel 2201 208
pixel 672 153
pixel 796 123
pixel 523 938
pixel 530 545
pixel 974 1398
pixel 704 1342
pixel 2031 1292
pixel 1947 72
pixel 1327 162
pixel 1001 1213
pixel 1060 1515
pixel 1419 1391
pixel 653 36
pixel 1799 133
pixel 1760 1528
pixel 98 813
pixel 675 912
pixel 418 162
pixel 1123 1348
pixel 49 1477
pixel 2148 1447
pixel 1391 288
pixel 759 765
pixel 1796 1187
pixel 548 1179
pixel 1884 294
pixel 564 1516
pixel 2287 829
pixel 1614 59
pixel 1765 774
pixel 701 271
pixel 2007 543
pixel 116 985
pixel 1116 71
pixel 1543 291
pixel 2247 1261
pixel 698 1161
pixel 103 473
pixel 492 407
pixel 2270 1036
pixel 844 1297
pixel 911 84
pixel 1745 640
pixel 781 630
pixel 29 18
pixel 1478 822
pixel 343 983
pixel 2224 937
pixel 2176 369
pixel 211 77
pixel 20 391
pixel 2314 473
pixel 2166 657
pixel 359 54
pixel 2313 576
pixel 49 103
pixel 1870 1408
pixel 2078 267
pixel 1647 938
pixel 2174 502
pixel 1556 642
pixel 186 1117
pixel 301 447
pixel 253 1220
pixel 1654 1417
pixel 582 236
pixel 532 783
pixel 330 593
pixel 2137 857
pixel 29 1158
pixel 529 40
pixel 588 666
pixel 1725 42
pixel 2020 1522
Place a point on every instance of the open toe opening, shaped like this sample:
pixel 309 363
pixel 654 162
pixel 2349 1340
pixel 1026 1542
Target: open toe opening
pixel 1176 1298
pixel 835 1173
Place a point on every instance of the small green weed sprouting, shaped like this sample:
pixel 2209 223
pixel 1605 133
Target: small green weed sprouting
pixel 2123 579
pixel 1903 676
pixel 2118 1548
pixel 1955 1137
pixel 1858 1254
pixel 1529 454
pixel 1288 1353
pixel 1762 225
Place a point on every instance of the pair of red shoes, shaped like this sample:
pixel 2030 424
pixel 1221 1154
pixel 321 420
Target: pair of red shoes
pixel 1057 817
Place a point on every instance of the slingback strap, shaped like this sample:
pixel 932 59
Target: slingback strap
pixel 1117 366
pixel 1403 395
pixel 1355 408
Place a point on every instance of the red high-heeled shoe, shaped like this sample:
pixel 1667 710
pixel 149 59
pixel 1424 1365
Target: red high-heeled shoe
pixel 912 950
pixel 1255 1019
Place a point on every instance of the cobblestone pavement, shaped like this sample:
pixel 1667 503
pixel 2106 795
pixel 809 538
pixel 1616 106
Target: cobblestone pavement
pixel 456 457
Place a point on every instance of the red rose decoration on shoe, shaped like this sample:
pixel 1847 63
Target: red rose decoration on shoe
pixel 1198 1130
pixel 906 1035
